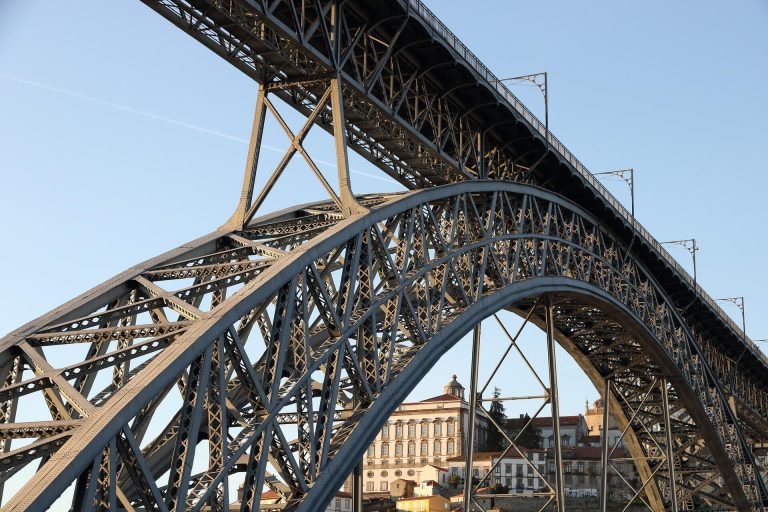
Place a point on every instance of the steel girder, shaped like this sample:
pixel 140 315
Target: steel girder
pixel 336 331
pixel 420 106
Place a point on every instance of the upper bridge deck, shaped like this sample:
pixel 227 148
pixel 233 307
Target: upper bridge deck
pixel 423 108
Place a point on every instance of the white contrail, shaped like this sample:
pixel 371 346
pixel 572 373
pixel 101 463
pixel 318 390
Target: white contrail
pixel 171 121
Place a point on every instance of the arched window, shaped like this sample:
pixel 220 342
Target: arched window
pixel 437 428
pixel 399 450
pixel 451 427
pixel 385 450
pixel 411 448
pixel 451 446
pixel 424 448
pixel 438 448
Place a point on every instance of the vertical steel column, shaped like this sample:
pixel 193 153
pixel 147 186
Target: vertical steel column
pixel 604 449
pixel 468 459
pixel 555 403
pixel 252 161
pixel 348 201
pixel 357 488
pixel 357 473
pixel 670 450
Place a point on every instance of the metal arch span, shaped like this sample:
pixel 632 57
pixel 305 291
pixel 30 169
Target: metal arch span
pixel 334 333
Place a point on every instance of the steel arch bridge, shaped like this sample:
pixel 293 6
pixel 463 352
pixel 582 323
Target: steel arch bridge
pixel 289 338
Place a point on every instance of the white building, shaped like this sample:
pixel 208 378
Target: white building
pixel 342 502
pixel 419 438
pixel 572 429
pixel 512 471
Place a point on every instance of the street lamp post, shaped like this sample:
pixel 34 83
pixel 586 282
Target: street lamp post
pixel 540 81
pixel 692 247
pixel 628 175
pixel 739 302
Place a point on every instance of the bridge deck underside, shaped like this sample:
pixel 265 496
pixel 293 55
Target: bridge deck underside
pixel 424 109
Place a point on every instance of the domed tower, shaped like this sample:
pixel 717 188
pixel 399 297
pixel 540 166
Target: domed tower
pixel 454 388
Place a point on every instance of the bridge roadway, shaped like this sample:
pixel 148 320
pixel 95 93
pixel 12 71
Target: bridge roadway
pixel 427 112
pixel 422 108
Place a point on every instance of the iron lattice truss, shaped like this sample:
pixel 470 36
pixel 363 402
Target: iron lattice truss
pixel 330 323
pixel 271 351
pixel 421 107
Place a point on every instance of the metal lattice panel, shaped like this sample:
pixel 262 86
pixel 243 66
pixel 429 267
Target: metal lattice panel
pixel 359 311
pixel 270 351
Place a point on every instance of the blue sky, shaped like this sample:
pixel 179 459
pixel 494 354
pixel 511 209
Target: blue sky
pixel 121 137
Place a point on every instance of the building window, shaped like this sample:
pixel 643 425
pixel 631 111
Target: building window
pixel 369 486
pixel 530 470
pixel 399 450
pixel 508 469
pixel 568 467
pixel 398 473
pixel 383 485
pixel 508 481
pixel 530 483
pixel 398 430
pixel 438 448
pixel 424 448
pixel 371 451
pixel 384 474
pixel 411 429
pixel 498 469
pixel 437 428
pixel 424 429
pixel 475 473
pixel 580 468
pixel 565 441
pixel 369 474
pixel 519 471
pixel 455 472
pixel 338 503
pixel 451 427
pixel 385 450
pixel 411 472
pixel 451 446
pixel 385 432
pixel 411 448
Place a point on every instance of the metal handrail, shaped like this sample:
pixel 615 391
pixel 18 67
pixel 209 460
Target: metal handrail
pixel 439 29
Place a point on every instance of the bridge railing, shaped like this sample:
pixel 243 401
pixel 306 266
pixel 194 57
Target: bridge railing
pixel 439 29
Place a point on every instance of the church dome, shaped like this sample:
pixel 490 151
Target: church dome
pixel 454 388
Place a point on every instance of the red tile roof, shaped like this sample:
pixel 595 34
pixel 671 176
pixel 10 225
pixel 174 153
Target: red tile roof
pixel 445 397
pixel 489 455
pixel 546 421
pixel 588 452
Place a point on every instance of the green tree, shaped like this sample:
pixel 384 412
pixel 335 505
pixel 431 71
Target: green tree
pixel 495 441
pixel 530 437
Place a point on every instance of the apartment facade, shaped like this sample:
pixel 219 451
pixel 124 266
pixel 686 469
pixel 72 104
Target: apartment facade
pixel 419 436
